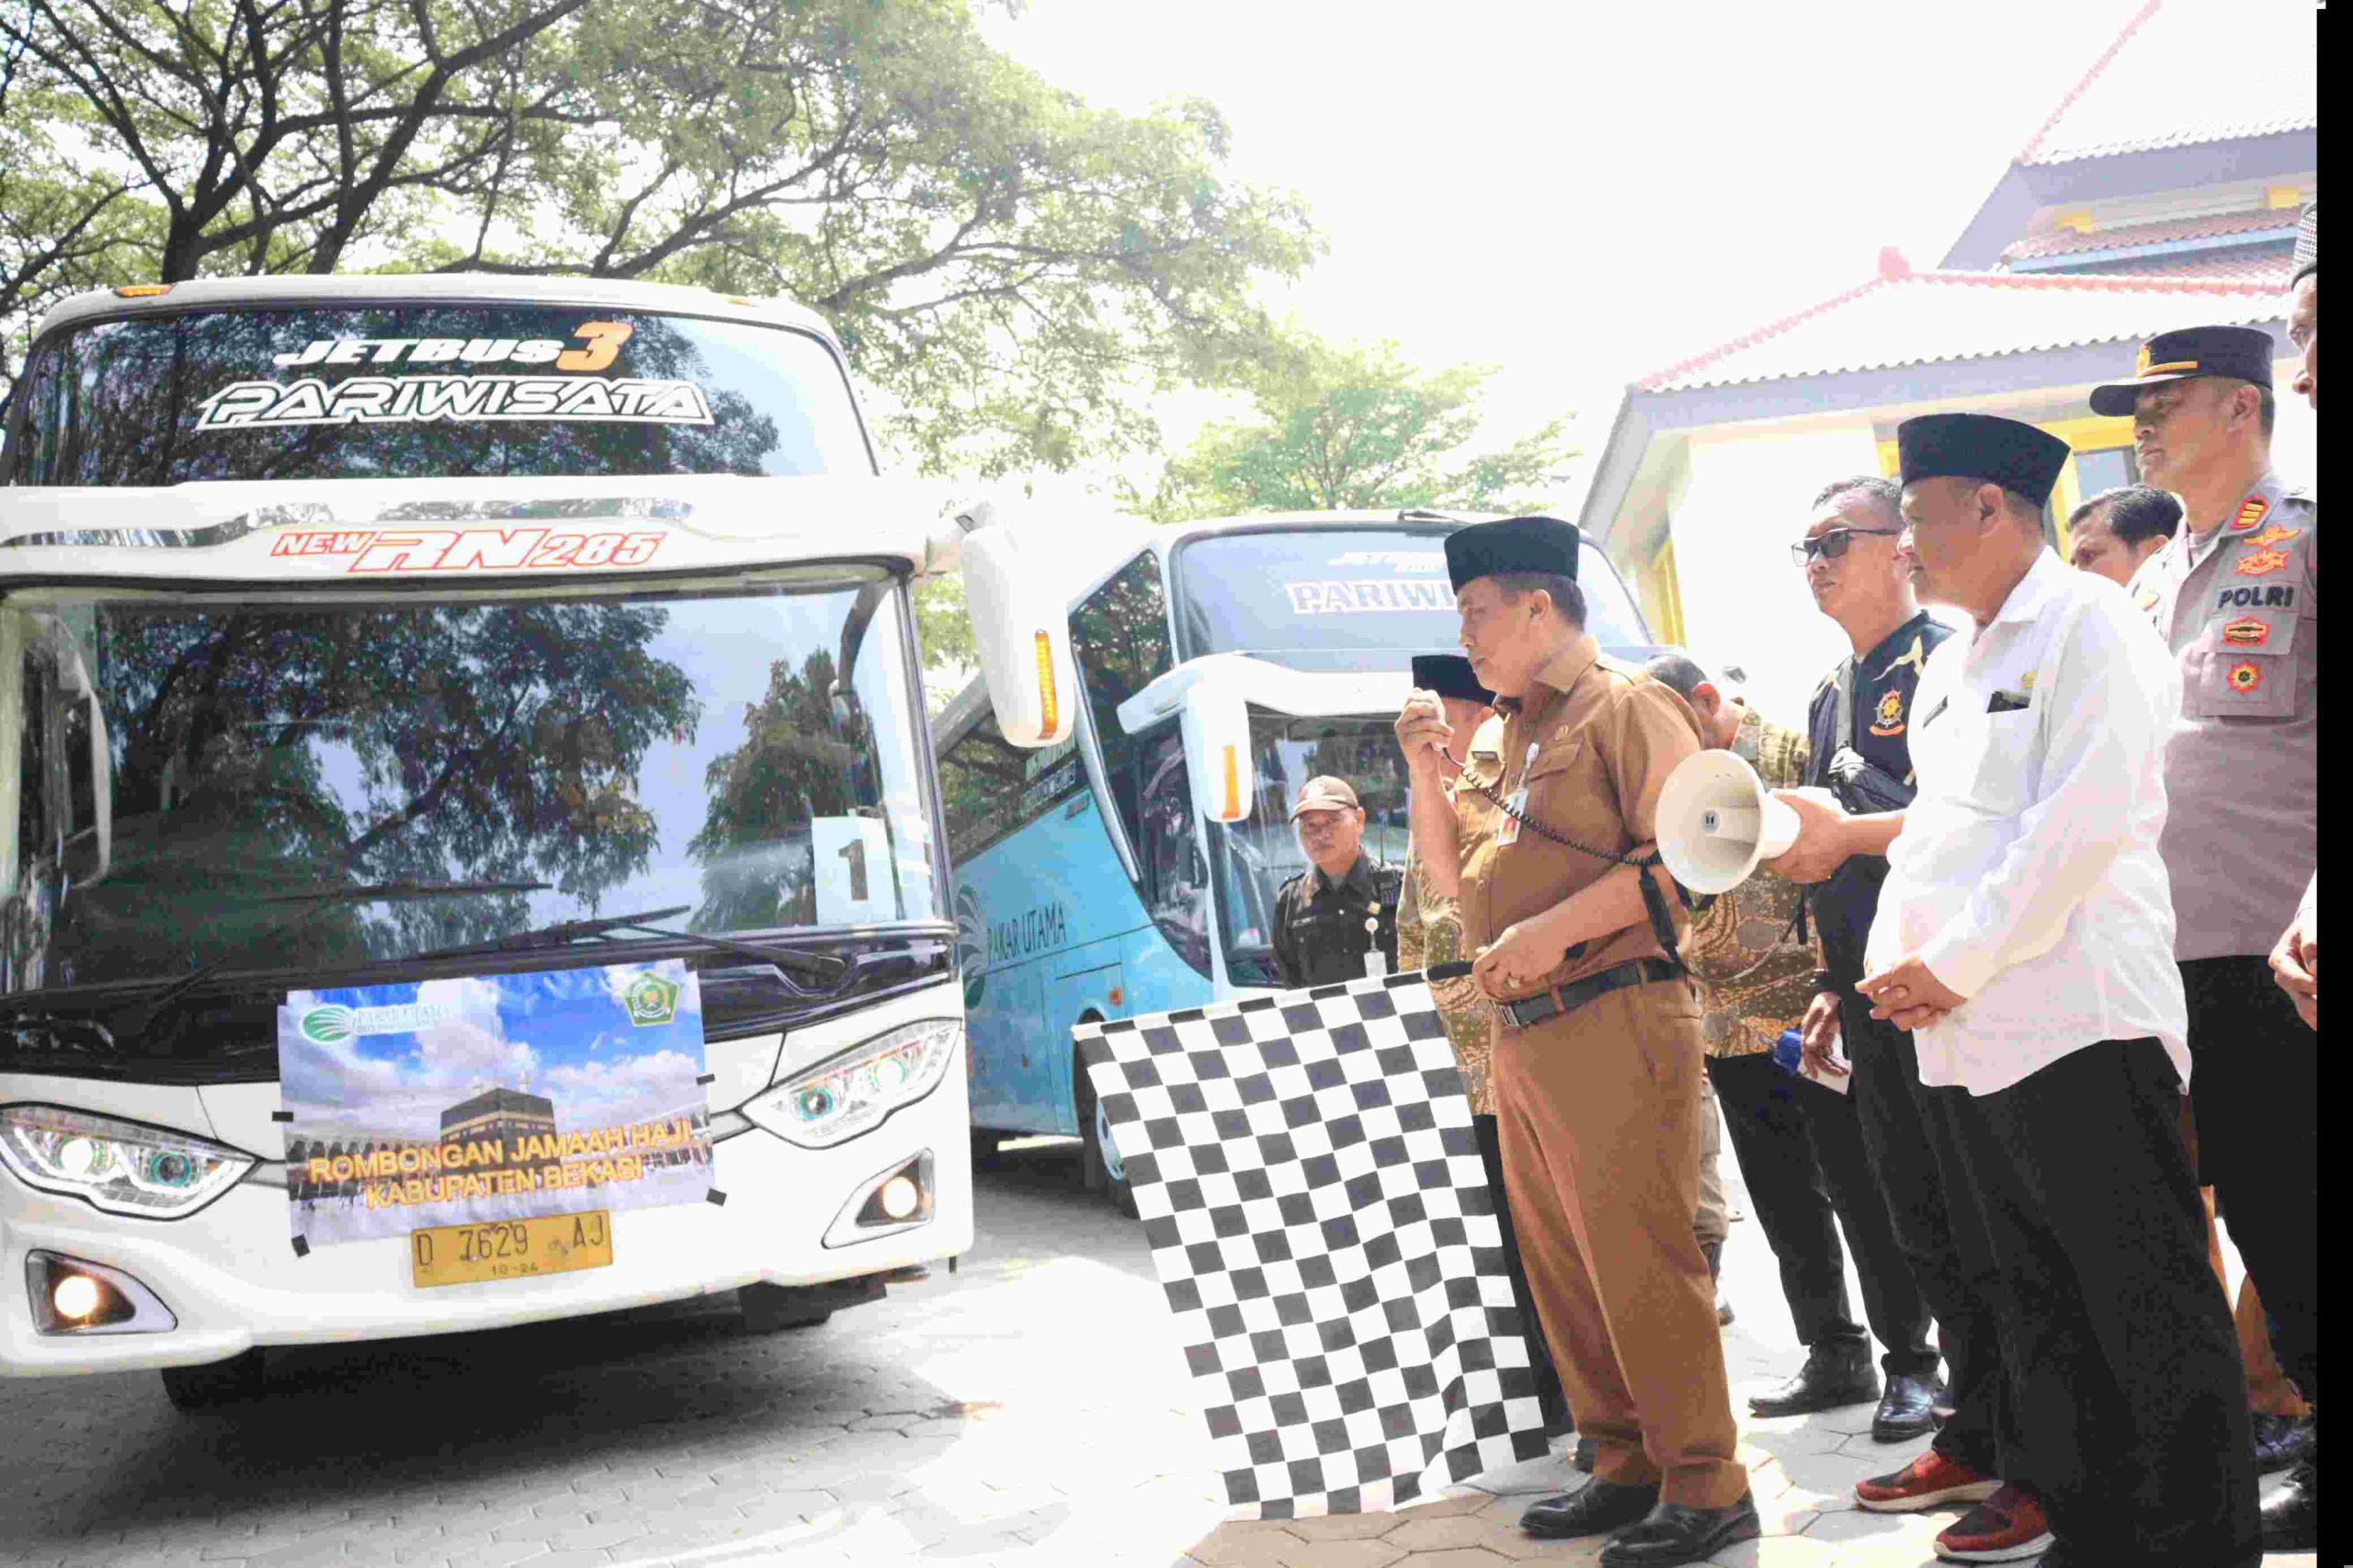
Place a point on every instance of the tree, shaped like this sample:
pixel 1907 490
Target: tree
pixel 1007 265
pixel 1353 426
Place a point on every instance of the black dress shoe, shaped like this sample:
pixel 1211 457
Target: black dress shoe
pixel 2281 1441
pixel 1676 1533
pixel 1908 1408
pixel 1833 1375
pixel 1593 1509
pixel 2291 1514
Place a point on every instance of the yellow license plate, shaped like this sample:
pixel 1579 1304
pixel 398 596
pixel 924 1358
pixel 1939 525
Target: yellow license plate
pixel 511 1249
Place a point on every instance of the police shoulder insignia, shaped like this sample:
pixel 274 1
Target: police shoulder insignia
pixel 1888 718
pixel 2260 563
pixel 2245 676
pixel 2250 514
pixel 2247 633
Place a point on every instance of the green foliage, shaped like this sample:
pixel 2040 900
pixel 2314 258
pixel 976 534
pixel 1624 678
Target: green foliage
pixel 1011 267
pixel 1353 426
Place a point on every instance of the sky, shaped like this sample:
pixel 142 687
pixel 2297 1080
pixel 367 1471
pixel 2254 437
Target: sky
pixel 1580 194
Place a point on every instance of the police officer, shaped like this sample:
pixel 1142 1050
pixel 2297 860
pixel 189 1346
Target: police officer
pixel 1598 1056
pixel 2236 597
pixel 1342 909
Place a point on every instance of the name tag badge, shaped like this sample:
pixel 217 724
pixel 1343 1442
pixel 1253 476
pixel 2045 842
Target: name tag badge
pixel 1507 832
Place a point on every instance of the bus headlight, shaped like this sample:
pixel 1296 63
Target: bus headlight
pixel 119 1166
pixel 855 1092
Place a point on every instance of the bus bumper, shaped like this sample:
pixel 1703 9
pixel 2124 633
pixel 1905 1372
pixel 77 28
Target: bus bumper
pixel 232 1280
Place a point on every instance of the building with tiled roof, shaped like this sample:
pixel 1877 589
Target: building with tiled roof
pixel 2139 205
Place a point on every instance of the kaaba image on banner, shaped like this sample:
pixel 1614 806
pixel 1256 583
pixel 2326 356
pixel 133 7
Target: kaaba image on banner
pixel 503 1117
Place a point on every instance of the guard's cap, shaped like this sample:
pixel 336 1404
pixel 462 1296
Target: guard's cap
pixel 1324 793
pixel 1514 544
pixel 2307 258
pixel 2243 352
pixel 2019 457
pixel 1449 674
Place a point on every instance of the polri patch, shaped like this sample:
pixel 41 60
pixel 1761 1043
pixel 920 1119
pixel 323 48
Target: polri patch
pixel 2245 676
pixel 1889 720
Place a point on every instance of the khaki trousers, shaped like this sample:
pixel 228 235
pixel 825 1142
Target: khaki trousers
pixel 1599 1112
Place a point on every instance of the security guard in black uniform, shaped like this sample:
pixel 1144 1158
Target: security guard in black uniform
pixel 1334 919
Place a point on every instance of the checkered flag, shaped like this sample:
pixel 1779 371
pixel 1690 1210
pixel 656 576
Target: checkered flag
pixel 1306 1173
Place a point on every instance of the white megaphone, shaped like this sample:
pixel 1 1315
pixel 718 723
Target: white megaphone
pixel 1717 820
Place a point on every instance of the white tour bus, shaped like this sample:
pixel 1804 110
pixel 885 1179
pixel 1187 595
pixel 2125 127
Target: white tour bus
pixel 467 835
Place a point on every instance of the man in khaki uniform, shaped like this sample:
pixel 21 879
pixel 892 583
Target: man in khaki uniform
pixel 1597 1058
pixel 1429 931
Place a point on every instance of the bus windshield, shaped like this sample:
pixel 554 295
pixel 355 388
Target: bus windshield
pixel 1346 599
pixel 422 389
pixel 1257 855
pixel 270 763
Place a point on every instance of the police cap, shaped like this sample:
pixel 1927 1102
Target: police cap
pixel 2019 457
pixel 2241 352
pixel 1325 793
pixel 2307 258
pixel 1449 674
pixel 1546 545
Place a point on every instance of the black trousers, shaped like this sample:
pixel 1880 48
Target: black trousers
pixel 1916 1167
pixel 1801 1152
pixel 2254 1090
pixel 2124 1387
pixel 1540 1357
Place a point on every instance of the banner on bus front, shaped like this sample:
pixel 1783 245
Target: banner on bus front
pixel 495 1097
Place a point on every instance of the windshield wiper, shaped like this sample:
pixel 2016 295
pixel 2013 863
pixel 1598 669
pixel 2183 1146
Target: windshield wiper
pixel 821 967
pixel 319 903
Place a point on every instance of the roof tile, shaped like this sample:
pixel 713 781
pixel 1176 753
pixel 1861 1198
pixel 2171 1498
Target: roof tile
pixel 2067 241
pixel 1923 318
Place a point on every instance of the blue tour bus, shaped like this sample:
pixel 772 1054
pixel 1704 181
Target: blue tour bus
pixel 1088 884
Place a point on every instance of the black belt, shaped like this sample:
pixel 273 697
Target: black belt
pixel 1577 993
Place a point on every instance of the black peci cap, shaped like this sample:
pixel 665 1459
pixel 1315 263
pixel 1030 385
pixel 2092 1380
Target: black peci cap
pixel 2018 458
pixel 1449 674
pixel 1514 544
pixel 2243 352
pixel 2307 257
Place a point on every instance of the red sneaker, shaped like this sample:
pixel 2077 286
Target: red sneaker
pixel 2006 1528
pixel 1927 1481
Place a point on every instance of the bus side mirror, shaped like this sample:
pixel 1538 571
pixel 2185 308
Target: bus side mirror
pixel 1216 724
pixel 1021 632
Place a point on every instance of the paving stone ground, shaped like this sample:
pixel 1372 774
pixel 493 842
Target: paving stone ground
pixel 1031 1410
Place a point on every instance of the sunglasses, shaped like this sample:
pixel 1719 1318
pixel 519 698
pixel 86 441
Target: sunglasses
pixel 1831 543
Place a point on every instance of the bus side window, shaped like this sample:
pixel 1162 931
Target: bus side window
pixel 980 780
pixel 1176 879
pixel 1120 637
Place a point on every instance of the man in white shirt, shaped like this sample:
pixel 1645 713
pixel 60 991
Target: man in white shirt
pixel 2025 934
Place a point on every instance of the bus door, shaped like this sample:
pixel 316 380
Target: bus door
pixel 1087 993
